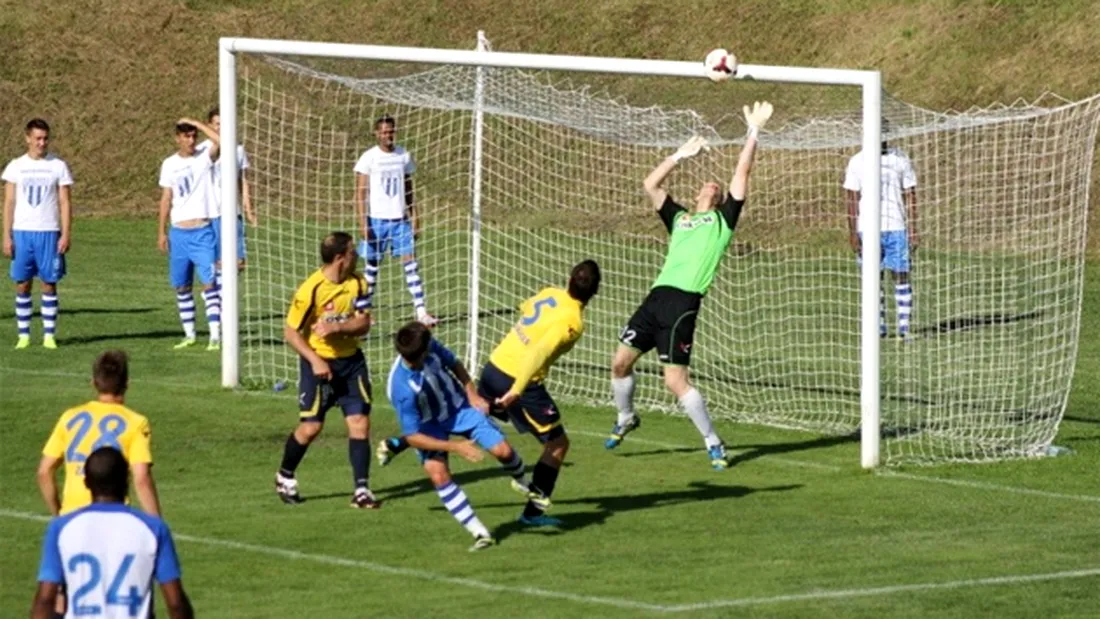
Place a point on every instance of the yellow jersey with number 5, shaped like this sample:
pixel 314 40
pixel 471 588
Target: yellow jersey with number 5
pixel 85 428
pixel 550 324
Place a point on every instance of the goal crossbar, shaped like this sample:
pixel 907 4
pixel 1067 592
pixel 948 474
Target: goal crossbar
pixel 870 83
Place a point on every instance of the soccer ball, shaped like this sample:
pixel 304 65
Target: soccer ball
pixel 721 65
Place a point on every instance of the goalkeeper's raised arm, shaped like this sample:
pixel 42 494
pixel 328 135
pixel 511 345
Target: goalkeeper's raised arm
pixel 655 180
pixel 755 118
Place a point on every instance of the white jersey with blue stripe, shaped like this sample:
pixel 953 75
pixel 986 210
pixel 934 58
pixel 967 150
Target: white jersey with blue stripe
pixel 431 394
pixel 107 556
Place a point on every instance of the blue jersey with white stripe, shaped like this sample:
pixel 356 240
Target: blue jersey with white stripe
pixel 107 556
pixel 431 394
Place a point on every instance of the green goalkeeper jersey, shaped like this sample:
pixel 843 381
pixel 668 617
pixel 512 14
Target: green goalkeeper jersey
pixel 696 244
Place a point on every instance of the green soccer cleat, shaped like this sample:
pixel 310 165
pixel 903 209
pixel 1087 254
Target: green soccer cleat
pixel 48 341
pixel 214 345
pixel 532 493
pixel 187 342
pixel 24 341
pixel 481 542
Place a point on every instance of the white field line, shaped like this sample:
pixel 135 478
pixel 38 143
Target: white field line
pixel 624 603
pixel 767 458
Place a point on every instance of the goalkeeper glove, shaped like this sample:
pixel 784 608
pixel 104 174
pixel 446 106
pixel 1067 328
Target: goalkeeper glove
pixel 691 148
pixel 757 116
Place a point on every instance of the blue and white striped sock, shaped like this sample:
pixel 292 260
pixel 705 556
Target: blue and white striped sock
pixel 49 312
pixel 185 303
pixel 515 467
pixel 454 499
pixel 881 314
pixel 370 273
pixel 24 309
pixel 415 286
pixel 903 294
pixel 212 299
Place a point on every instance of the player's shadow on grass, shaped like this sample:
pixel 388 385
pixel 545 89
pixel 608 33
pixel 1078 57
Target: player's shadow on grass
pixel 71 311
pixel 137 335
pixel 424 486
pixel 608 505
pixel 752 452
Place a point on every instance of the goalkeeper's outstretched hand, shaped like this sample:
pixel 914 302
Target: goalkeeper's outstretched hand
pixel 691 147
pixel 758 116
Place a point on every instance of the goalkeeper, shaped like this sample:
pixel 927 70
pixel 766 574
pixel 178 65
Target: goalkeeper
pixel 666 318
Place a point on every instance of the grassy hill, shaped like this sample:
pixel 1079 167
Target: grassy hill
pixel 111 75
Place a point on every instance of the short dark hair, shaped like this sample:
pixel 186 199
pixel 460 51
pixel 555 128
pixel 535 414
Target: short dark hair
pixel 107 474
pixel 185 128
pixel 335 245
pixel 212 113
pixel 584 281
pixel 37 123
pixel 412 340
pixel 111 372
pixel 384 119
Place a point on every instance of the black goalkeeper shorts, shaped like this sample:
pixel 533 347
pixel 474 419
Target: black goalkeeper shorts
pixel 665 321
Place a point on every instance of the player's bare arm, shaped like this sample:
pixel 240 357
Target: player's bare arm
pixel 175 598
pixel 296 341
pixel 911 218
pixel 852 199
pixel 467 449
pixel 654 183
pixel 467 381
pixel 64 201
pixel 755 118
pixel 210 133
pixel 9 218
pixel 362 195
pixel 44 599
pixel 246 199
pixel 357 326
pixel 162 219
pixel 47 483
pixel 414 214
pixel 145 487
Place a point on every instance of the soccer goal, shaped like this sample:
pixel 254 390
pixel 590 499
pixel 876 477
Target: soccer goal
pixel 529 163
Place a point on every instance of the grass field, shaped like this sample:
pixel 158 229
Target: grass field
pixel 794 529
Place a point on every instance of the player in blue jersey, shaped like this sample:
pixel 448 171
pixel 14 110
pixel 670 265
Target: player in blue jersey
pixel 435 398
pixel 107 554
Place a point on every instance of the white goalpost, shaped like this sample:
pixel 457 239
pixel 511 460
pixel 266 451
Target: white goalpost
pixel 520 175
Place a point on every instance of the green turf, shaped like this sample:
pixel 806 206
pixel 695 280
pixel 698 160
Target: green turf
pixel 794 529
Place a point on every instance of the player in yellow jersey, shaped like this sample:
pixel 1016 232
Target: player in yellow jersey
pixel 326 319
pixel 104 421
pixel 550 324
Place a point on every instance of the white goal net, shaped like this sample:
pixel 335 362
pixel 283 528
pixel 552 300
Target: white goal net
pixel 1002 200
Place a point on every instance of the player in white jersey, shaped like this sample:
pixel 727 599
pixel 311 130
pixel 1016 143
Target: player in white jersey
pixel 37 224
pixel 899 225
pixel 214 119
pixel 186 181
pixel 384 205
pixel 107 555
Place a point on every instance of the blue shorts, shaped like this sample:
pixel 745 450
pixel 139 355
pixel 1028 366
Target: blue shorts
pixel 216 223
pixel 393 234
pixel 190 248
pixel 895 251
pixel 35 255
pixel 469 423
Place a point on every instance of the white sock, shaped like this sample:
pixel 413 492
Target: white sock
pixel 696 408
pixel 623 392
pixel 185 303
pixel 454 499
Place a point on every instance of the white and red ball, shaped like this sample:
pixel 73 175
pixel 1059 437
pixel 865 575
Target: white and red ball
pixel 721 65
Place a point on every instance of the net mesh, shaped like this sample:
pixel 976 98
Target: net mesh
pixel 1002 196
